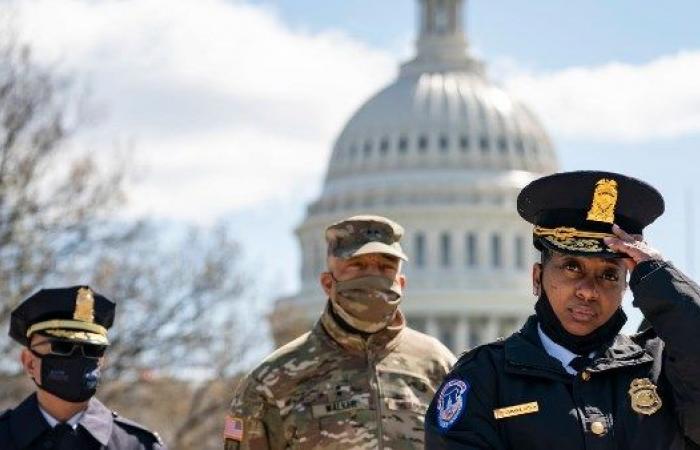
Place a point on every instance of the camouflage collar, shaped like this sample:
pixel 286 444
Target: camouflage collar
pixel 379 343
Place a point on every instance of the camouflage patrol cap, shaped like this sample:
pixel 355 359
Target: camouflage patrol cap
pixel 360 235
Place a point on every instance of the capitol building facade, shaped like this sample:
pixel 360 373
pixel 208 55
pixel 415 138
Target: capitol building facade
pixel 444 152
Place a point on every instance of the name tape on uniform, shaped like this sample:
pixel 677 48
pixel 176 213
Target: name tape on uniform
pixel 338 407
pixel 516 410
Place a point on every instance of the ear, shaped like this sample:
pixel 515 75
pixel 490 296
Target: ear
pixel 326 280
pixel 536 279
pixel 31 364
pixel 402 281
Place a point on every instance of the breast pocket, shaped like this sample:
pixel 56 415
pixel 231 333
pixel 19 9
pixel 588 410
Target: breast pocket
pixel 405 399
pixel 336 423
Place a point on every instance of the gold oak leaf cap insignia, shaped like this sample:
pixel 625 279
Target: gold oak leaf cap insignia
pixel 604 201
pixel 84 306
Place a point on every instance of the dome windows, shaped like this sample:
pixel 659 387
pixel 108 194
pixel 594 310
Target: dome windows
pixel 441 143
pixel 464 143
pixel 419 249
pixel 484 144
pixel 384 145
pixel 507 147
pixel 470 250
pixel 445 249
pixel 444 143
pixel 353 151
pixel 502 144
pixel 519 147
pixel 496 251
pixel 422 143
pixel 403 144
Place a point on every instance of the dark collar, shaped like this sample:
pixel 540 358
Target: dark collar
pixel 98 421
pixel 623 352
pixel 27 423
pixel 525 354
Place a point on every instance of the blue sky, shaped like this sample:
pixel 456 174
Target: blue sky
pixel 550 35
pixel 233 106
pixel 547 34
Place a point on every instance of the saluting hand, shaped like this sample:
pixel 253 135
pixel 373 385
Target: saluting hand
pixel 633 246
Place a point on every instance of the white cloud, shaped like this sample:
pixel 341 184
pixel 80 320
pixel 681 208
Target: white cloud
pixel 660 99
pixel 229 107
pixel 226 104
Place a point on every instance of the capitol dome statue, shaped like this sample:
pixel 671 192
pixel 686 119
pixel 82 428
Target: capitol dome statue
pixel 444 152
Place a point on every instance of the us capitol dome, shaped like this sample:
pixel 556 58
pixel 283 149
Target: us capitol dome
pixel 444 152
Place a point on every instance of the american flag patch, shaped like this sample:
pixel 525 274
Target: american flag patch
pixel 233 428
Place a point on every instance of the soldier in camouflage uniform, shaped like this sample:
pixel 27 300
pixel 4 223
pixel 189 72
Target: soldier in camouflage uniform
pixel 360 379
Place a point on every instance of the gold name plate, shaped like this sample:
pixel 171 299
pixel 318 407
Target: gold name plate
pixel 517 410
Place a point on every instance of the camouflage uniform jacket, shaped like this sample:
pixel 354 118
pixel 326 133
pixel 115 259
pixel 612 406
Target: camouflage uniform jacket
pixel 331 389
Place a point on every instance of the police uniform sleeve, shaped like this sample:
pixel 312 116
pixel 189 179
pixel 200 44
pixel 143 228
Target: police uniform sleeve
pixel 671 303
pixel 254 421
pixel 5 441
pixel 460 416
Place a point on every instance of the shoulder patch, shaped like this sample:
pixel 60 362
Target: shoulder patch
pixel 451 402
pixel 233 428
pixel 126 423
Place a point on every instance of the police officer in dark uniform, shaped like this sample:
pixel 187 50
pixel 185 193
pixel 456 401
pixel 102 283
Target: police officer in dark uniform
pixel 568 379
pixel 64 332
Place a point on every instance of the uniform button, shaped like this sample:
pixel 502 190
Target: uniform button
pixel 585 375
pixel 597 428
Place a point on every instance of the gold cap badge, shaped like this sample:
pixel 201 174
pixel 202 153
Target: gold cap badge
pixel 645 400
pixel 604 201
pixel 84 306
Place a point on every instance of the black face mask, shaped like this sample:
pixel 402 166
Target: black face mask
pixel 581 345
pixel 73 378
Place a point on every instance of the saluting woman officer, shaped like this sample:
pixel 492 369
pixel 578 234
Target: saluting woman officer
pixel 568 379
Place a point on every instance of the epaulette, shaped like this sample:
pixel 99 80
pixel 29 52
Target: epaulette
pixel 468 355
pixel 130 424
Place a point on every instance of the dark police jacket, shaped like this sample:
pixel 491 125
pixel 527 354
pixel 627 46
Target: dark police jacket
pixel 25 428
pixel 541 407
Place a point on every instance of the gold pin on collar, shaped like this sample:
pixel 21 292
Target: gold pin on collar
pixel 84 306
pixel 604 201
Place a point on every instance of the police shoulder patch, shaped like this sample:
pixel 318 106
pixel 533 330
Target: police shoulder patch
pixel 451 402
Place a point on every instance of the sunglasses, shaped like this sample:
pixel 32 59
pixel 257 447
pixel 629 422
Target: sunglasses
pixel 67 348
